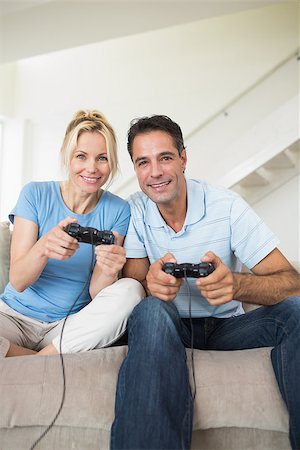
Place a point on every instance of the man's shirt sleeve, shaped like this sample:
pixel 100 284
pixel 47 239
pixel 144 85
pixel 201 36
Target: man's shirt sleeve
pixel 134 241
pixel 251 238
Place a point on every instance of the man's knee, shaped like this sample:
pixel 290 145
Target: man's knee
pixel 156 309
pixel 293 302
pixel 288 313
pixel 154 318
pixel 290 306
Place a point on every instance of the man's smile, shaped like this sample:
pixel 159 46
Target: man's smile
pixel 159 185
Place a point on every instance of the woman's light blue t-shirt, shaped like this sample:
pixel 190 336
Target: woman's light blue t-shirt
pixel 61 282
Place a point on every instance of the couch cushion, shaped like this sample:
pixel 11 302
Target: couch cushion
pixel 234 389
pixel 4 254
pixel 237 389
pixel 31 389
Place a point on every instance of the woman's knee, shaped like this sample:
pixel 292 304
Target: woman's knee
pixel 131 288
pixel 122 295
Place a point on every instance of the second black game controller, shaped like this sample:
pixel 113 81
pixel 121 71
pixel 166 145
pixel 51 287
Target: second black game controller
pixel 89 235
pixel 188 270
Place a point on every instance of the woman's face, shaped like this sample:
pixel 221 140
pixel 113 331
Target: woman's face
pixel 89 167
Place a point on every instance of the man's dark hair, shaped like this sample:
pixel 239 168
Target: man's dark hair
pixel 155 123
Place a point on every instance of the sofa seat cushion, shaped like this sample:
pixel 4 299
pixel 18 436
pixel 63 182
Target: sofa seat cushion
pixel 31 389
pixel 234 389
pixel 237 389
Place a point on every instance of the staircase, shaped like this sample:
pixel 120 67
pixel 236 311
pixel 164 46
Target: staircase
pixel 269 176
pixel 275 146
pixel 252 144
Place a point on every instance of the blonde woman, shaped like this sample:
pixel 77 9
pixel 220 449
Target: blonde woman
pixel 50 270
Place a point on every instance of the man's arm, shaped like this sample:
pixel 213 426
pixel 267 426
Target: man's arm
pixel 137 268
pixel 272 280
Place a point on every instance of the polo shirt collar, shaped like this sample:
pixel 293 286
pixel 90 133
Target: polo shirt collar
pixel 195 212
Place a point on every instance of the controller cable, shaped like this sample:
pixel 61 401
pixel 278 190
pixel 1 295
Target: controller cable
pixel 194 390
pixel 61 354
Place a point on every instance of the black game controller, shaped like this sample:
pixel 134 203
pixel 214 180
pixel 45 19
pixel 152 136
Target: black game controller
pixel 89 235
pixel 188 270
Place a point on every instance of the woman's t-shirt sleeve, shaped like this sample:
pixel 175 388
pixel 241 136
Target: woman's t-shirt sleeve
pixel 122 219
pixel 27 204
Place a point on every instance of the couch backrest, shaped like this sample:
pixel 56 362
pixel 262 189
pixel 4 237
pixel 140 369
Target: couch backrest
pixel 5 237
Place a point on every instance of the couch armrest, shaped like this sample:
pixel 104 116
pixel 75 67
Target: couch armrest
pixel 5 237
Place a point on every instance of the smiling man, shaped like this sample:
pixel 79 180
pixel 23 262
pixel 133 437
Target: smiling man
pixel 175 219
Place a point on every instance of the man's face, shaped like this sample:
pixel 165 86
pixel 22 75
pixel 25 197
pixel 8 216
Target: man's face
pixel 159 167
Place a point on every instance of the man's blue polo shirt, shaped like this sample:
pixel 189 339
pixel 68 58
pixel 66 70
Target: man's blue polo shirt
pixel 218 220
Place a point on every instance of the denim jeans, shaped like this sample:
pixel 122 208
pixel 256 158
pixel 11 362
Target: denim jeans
pixel 154 408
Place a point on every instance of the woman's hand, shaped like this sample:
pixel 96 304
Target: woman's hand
pixel 29 255
pixel 110 260
pixel 57 243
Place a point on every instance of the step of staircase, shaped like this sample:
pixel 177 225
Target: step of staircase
pixel 270 175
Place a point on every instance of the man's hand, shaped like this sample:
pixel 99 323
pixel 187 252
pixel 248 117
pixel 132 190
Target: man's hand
pixel 218 287
pixel 161 284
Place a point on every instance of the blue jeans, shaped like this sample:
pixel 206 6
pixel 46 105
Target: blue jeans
pixel 154 408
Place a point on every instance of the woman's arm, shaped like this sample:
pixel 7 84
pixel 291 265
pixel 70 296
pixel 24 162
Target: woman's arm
pixel 29 255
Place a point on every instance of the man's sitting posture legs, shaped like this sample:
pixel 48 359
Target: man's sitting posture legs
pixel 187 221
pixel 153 403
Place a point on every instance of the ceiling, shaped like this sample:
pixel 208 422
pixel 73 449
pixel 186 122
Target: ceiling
pixel 12 6
pixel 35 27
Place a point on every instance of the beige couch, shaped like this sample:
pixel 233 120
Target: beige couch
pixel 238 404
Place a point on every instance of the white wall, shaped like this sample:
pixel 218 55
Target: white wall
pixel 187 71
pixel 13 161
pixel 7 89
pixel 281 211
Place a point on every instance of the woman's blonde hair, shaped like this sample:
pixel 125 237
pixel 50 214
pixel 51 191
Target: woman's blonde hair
pixel 95 122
